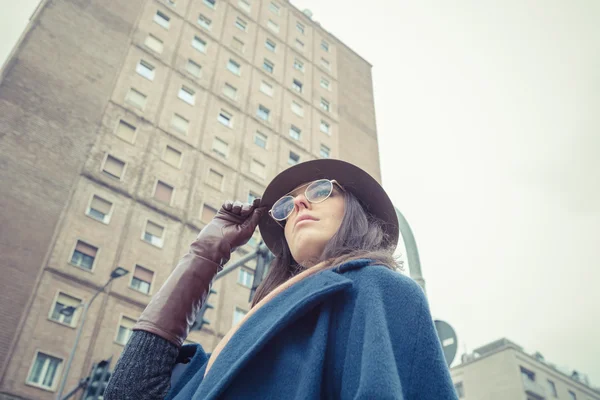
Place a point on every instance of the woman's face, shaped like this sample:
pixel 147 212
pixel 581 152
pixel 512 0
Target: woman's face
pixel 310 226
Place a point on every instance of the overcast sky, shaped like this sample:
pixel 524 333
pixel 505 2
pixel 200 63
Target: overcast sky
pixel 489 129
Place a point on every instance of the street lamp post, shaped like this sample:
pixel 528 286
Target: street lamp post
pixel 116 273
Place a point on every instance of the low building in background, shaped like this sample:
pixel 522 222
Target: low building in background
pixel 501 370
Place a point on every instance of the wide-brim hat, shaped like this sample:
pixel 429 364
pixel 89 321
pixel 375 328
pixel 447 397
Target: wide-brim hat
pixel 363 186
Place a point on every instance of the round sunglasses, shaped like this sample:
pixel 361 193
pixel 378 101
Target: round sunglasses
pixel 316 192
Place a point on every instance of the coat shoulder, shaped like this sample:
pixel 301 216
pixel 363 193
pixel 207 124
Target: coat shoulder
pixel 383 279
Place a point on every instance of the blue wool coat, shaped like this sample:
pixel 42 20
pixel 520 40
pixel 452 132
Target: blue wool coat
pixel 357 331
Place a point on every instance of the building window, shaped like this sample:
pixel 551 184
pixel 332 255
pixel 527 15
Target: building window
pixel 230 91
pixel 188 95
pixel 295 132
pixel 325 127
pixel 63 301
pixel 238 315
pixel 172 156
pixel 141 279
pixel 324 83
pixel 300 27
pixel 145 69
pixel 180 124
pixel 299 65
pixel 324 105
pixel 238 45
pixel 297 85
pixel 163 192
pixel 162 19
pixel 268 66
pixel 552 388
pixel 113 167
pixel 252 196
pixel 208 213
pixel 99 209
pixel 125 330
pixel 325 64
pixel 199 44
pixel 220 147
pixel 266 88
pixel 241 24
pixel 325 46
pixel 215 179
pixel 297 109
pixel 244 5
pixel 274 8
pixel 263 113
pixel 460 391
pixel 245 276
pixel 204 22
pixel 84 255
pixel 270 45
pixel 154 234
pixel 260 139
pixel 299 44
pixel 154 44
pixel 527 374
pixel 572 395
pixel 194 68
pixel 211 3
pixel 234 67
pixel 257 168
pixel 45 371
pixel 225 118
pixel 136 99
pixel 324 151
pixel 293 158
pixel 126 131
pixel 273 26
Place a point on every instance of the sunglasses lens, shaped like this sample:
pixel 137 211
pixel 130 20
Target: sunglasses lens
pixel 318 191
pixel 283 208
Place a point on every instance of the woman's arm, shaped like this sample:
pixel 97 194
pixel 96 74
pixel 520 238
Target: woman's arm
pixel 144 369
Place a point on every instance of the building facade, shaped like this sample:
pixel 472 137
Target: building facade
pixel 501 370
pixel 123 126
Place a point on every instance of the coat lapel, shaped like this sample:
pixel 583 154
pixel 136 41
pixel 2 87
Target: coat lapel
pixel 264 324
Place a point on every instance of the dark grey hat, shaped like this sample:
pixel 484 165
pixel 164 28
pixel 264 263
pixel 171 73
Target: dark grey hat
pixel 363 186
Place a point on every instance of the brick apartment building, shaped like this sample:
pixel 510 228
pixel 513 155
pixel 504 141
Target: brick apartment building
pixel 123 126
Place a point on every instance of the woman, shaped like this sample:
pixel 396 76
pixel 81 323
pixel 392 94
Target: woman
pixel 332 319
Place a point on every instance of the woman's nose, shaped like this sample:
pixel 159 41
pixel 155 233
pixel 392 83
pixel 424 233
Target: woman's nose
pixel 301 202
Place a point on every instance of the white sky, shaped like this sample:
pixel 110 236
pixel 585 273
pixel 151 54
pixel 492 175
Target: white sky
pixel 489 127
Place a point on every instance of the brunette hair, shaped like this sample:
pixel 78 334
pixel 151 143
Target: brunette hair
pixel 360 236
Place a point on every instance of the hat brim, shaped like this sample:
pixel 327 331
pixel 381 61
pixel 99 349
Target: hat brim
pixel 363 186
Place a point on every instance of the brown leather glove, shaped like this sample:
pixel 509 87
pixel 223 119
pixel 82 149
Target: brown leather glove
pixel 173 309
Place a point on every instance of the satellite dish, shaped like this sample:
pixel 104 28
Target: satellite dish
pixel 448 340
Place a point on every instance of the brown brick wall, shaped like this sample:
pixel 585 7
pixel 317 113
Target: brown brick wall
pixel 52 97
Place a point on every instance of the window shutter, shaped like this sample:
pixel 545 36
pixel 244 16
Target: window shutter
pixel 114 166
pixel 86 249
pixel 126 131
pixel 68 300
pixel 163 192
pixel 127 322
pixel 208 213
pixel 143 274
pixel 173 156
pixel 154 229
pixel 101 205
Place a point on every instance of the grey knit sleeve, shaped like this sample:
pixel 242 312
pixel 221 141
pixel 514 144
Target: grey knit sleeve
pixel 144 369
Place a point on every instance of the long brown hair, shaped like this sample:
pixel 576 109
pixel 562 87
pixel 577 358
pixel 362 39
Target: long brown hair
pixel 360 236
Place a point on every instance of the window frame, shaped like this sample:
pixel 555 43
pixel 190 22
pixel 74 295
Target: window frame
pixel 235 310
pixel 107 217
pixel 148 67
pixel 297 85
pixel 161 19
pixel 203 43
pixel 299 65
pixel 74 320
pixel 247 272
pixel 170 203
pixel 300 27
pixel 194 64
pixel 189 91
pixel 150 284
pixel 264 83
pixel 270 64
pixel 163 157
pixel 328 151
pixel 291 158
pixel 173 126
pixel 235 91
pixel 119 324
pixel 121 178
pixel 132 103
pixel 157 40
pixel 266 139
pixel 144 231
pixel 216 138
pixel 72 252
pixel 204 22
pixel 116 129
pixel 268 113
pixel 321 124
pixel 241 24
pixel 225 115
pixel 297 136
pixel 273 26
pixel 238 71
pixel 59 372
pixel 212 6
pixel 271 45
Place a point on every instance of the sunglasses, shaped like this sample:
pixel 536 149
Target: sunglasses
pixel 316 192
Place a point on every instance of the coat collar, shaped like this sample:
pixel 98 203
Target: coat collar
pixel 270 319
